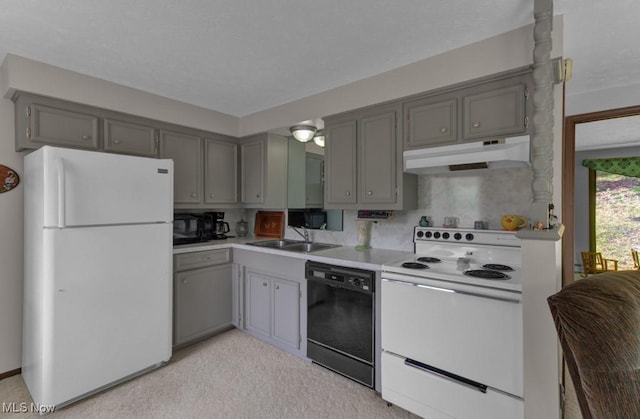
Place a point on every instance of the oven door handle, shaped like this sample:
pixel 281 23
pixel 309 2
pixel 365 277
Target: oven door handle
pixel 473 294
pixel 446 375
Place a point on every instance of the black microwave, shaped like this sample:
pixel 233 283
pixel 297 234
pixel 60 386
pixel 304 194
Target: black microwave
pixel 193 228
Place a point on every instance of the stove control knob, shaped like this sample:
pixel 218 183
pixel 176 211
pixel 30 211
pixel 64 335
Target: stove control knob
pixel 420 234
pixel 356 282
pixel 428 234
pixel 469 237
pixel 436 235
pixel 457 236
pixel 445 235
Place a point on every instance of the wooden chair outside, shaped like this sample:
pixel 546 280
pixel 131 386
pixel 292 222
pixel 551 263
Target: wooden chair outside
pixel 594 263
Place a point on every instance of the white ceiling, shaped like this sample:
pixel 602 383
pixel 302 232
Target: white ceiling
pixel 241 57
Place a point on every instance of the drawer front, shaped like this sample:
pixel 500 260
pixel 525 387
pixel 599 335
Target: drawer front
pixel 185 261
pixel 432 396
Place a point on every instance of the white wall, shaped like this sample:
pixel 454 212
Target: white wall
pixel 11 251
pixel 500 53
pixel 601 100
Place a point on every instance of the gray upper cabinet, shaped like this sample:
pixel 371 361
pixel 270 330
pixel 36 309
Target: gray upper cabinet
pixel 130 138
pixel 45 121
pixel 340 164
pixel 186 152
pixel 430 121
pixel 363 161
pixel 488 108
pixel 221 172
pixel 377 154
pixel 253 174
pixel 264 165
pixel 314 169
pixel 495 112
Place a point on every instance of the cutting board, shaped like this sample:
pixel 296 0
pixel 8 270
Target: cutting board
pixel 269 224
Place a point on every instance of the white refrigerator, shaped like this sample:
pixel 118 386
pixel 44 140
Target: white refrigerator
pixel 97 272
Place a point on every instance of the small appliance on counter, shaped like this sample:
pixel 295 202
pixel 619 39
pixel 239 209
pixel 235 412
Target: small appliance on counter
pixel 221 227
pixel 196 228
pixel 242 228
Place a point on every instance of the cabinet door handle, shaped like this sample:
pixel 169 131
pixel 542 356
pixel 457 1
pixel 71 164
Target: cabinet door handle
pixel 369 193
pixel 444 130
pixel 116 141
pixel 193 195
pixel 184 281
pixel 210 195
pixel 476 124
pixel 86 137
pixel 264 284
pixel 277 287
pixel 257 195
pixel 348 193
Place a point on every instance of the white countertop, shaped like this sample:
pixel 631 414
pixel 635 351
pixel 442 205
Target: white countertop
pixel 348 256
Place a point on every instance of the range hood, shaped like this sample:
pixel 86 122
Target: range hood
pixel 493 154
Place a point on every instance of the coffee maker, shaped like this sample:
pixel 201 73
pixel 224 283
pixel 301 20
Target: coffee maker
pixel 221 227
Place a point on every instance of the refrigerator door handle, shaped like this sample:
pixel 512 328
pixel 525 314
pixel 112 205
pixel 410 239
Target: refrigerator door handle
pixel 61 192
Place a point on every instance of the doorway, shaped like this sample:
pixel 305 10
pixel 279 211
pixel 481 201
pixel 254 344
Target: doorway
pixel 568 184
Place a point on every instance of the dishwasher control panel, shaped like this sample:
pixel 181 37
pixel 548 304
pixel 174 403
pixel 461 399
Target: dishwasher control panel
pixel 352 278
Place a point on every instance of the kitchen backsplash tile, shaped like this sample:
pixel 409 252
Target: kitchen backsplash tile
pixel 468 196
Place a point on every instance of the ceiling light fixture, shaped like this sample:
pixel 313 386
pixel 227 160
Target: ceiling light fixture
pixel 303 133
pixel 319 138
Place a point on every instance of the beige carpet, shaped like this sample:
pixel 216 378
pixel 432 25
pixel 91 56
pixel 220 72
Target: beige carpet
pixel 232 375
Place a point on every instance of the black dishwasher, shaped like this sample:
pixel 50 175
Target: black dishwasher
pixel 341 320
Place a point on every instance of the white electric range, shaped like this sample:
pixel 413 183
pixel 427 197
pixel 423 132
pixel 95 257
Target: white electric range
pixel 451 325
pixel 486 258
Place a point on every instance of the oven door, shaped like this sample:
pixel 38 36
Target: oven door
pixel 468 331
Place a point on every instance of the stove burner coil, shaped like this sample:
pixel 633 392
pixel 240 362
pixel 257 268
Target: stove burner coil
pixel 429 259
pixel 497 267
pixel 486 274
pixel 414 265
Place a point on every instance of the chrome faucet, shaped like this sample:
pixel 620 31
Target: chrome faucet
pixel 304 235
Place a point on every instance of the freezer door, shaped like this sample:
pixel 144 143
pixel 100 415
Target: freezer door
pixel 108 305
pixel 85 188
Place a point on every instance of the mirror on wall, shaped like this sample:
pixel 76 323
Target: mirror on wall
pixel 315 219
pixel 306 188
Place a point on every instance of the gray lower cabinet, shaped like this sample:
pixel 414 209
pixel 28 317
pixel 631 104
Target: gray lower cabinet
pixel 270 299
pixel 45 121
pixel 130 138
pixel 272 306
pixel 202 294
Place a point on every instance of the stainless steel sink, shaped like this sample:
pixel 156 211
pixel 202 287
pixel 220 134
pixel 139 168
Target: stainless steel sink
pixel 275 244
pixel 309 247
pixel 294 245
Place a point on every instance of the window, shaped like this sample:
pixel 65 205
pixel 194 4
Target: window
pixel 614 208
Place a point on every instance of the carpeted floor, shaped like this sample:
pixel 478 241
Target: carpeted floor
pixel 232 375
